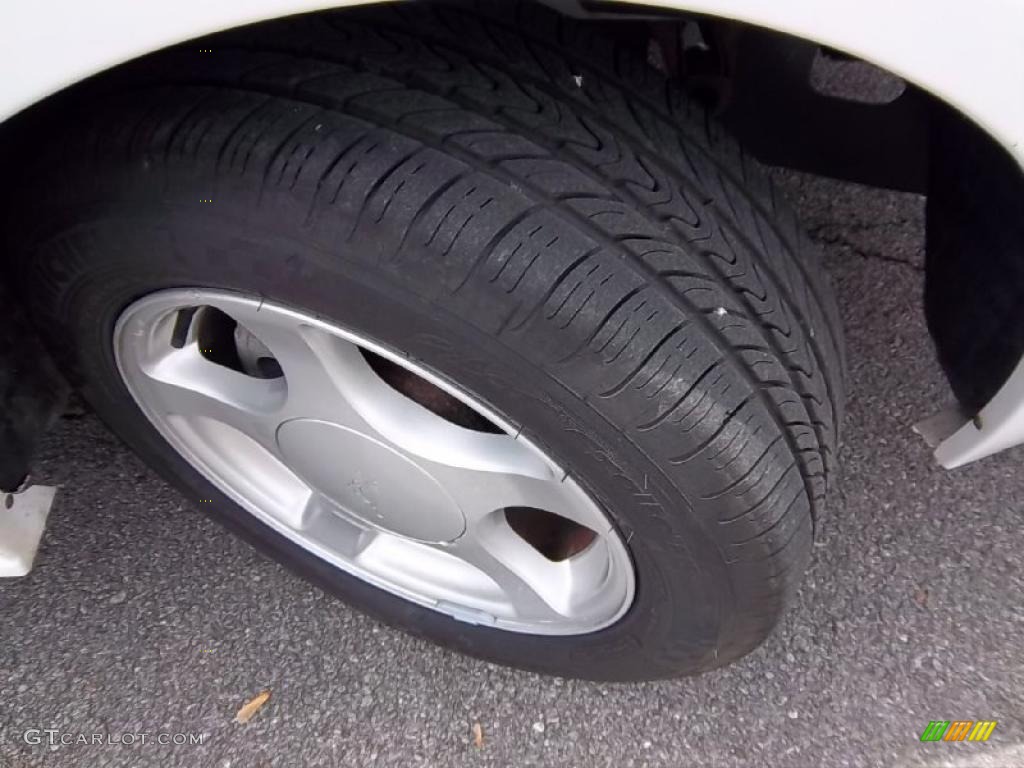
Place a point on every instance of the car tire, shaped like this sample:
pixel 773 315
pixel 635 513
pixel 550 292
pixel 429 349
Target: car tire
pixel 524 208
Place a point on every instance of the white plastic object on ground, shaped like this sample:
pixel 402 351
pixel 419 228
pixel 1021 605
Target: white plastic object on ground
pixel 22 522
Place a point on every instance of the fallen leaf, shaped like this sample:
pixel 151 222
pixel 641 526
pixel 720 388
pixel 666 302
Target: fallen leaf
pixel 921 597
pixel 251 707
pixel 478 735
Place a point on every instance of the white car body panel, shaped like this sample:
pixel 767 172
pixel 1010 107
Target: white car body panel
pixel 971 56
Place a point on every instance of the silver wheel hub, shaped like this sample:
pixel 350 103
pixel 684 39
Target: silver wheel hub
pixel 373 463
pixel 377 483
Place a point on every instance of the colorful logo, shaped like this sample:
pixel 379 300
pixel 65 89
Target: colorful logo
pixel 958 730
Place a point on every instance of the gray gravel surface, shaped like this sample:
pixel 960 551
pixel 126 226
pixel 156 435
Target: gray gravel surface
pixel 142 616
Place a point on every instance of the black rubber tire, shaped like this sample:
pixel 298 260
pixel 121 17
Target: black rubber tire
pixel 528 209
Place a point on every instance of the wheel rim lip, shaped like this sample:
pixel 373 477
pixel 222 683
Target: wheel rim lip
pixel 150 309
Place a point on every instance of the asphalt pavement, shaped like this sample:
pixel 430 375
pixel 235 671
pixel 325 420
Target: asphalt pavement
pixel 144 617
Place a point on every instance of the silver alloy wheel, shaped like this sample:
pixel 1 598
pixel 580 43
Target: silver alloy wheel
pixel 323 449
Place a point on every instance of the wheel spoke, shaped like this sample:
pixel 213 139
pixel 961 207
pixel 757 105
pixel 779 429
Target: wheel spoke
pixel 233 417
pixel 185 384
pixel 538 589
pixel 318 367
pixel 480 493
pixel 530 583
pixel 324 523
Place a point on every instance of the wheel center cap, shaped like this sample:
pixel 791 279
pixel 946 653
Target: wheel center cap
pixel 370 481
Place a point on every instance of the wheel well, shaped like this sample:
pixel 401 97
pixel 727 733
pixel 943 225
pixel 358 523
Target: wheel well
pixel 974 267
